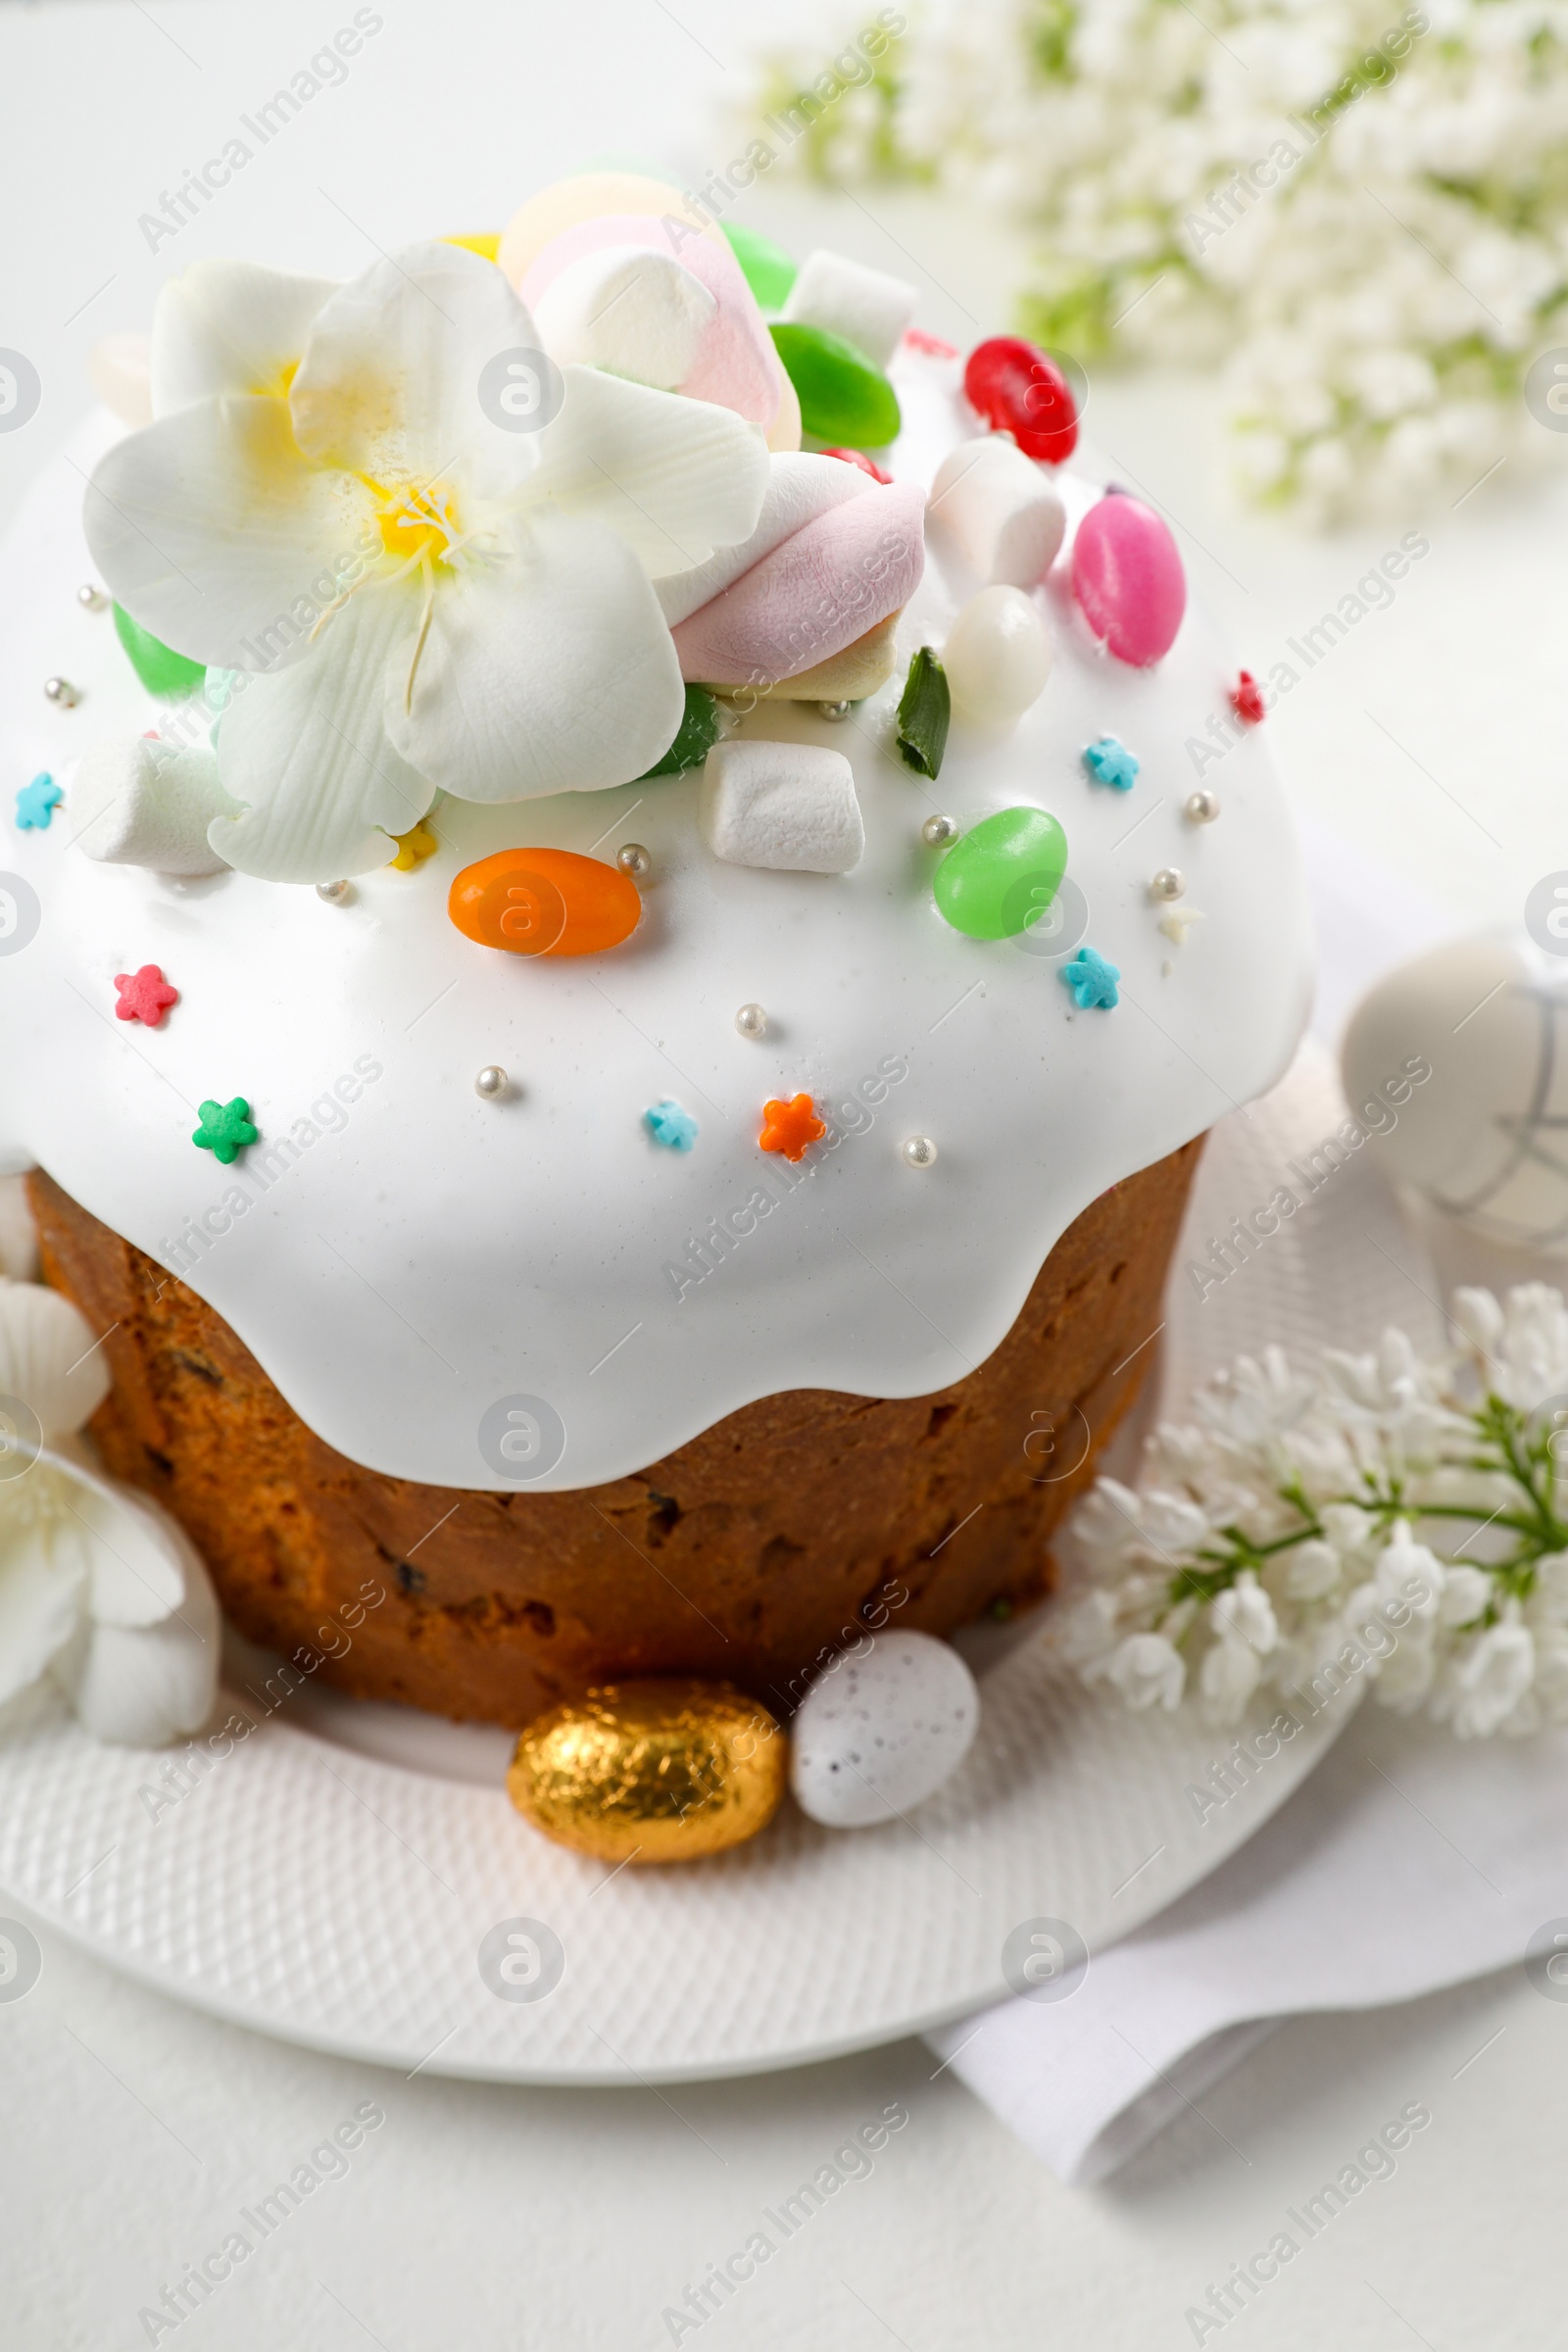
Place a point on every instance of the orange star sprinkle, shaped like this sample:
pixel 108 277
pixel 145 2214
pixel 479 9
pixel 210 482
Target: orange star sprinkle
pixel 789 1127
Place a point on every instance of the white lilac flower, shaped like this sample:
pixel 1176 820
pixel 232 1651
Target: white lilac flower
pixel 1486 1679
pixel 411 596
pixel 1146 1670
pixel 1335 1532
pixel 1245 1613
pixel 1227 1679
pixel 1377 288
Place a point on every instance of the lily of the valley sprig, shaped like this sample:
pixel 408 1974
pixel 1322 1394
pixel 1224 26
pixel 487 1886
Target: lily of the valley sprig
pixel 1400 1517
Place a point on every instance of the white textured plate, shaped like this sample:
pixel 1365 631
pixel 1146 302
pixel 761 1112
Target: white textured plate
pixel 309 1887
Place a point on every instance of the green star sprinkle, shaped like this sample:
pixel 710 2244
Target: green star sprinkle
pixel 226 1129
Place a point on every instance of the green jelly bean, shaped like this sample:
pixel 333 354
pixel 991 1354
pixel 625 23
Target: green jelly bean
pixel 1003 874
pixel 160 668
pixel 766 267
pixel 844 399
pixel 699 729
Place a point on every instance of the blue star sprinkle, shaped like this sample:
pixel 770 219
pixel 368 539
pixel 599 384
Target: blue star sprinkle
pixel 671 1126
pixel 1110 762
pixel 1092 979
pixel 35 802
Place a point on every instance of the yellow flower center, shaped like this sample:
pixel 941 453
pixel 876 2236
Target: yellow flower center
pixel 415 519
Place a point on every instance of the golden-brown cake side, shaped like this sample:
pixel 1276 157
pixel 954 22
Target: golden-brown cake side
pixel 749 1553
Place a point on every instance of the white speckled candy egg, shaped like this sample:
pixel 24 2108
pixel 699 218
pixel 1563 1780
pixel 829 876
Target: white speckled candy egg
pixel 881 1729
pixel 998 655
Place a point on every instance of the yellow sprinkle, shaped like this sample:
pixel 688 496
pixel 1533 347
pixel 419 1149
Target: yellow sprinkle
pixel 417 844
pixel 486 244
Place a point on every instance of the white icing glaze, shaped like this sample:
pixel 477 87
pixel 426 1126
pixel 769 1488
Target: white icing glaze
pixel 436 1253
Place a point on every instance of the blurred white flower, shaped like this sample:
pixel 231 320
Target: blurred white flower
pixel 1367 224
pixel 1299 1526
pixel 1147 1671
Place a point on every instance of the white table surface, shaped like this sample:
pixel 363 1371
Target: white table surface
pixel 136 2130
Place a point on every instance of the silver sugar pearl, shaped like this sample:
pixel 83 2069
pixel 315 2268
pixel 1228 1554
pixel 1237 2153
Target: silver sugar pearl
pixel 334 893
pixel 1169 883
pixel 91 598
pixel 835 709
pixel 919 1152
pixel 751 1021
pixel 632 858
pixel 491 1081
pixel 1201 808
pixel 61 691
pixel 938 831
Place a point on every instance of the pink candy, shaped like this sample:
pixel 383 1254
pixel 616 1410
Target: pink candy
pixel 1128 580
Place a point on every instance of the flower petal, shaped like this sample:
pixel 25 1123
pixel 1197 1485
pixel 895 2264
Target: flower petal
pixel 389 384
pixel 551 670
pixel 229 326
pixel 307 753
pixel 674 477
pixel 48 1360
pixel 40 1600
pixel 214 532
pixel 140 1686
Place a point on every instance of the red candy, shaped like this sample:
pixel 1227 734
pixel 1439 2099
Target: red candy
pixel 1017 390
pixel 144 996
pixel 857 456
pixel 1247 699
pixel 933 346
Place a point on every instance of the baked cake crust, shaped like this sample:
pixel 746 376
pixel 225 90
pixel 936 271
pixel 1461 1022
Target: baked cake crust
pixel 751 1553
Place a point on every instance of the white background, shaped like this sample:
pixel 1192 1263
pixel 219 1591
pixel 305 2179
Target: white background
pixel 541 2222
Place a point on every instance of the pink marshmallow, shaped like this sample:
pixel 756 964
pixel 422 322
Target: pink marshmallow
pixel 1128 580
pixel 824 587
pixel 736 367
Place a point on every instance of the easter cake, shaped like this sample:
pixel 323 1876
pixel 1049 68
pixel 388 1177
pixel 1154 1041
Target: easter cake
pixel 617 952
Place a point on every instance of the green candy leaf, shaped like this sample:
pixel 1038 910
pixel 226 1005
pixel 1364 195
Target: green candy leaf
pixel 843 398
pixel 160 668
pixel 698 731
pixel 766 267
pixel 925 707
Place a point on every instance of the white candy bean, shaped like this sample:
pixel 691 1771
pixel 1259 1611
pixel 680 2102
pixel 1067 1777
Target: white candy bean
pixel 998 655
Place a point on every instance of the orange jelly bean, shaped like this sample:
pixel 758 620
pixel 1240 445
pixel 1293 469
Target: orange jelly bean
pixel 544 902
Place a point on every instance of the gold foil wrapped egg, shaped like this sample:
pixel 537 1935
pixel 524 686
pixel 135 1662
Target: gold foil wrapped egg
pixel 651 1771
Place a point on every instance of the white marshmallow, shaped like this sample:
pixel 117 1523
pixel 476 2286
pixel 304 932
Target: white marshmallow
pixel 994 513
pixel 998 655
pixel 866 307
pixel 877 1733
pixel 632 310
pixel 136 801
pixel 790 806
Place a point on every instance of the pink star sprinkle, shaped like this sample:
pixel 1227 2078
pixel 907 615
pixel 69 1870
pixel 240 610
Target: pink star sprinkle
pixel 144 996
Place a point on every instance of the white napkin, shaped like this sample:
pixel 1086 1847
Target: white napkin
pixel 1408 1860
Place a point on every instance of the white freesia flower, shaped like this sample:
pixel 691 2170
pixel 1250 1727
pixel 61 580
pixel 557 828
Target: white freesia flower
pixel 98 1590
pixel 1146 1670
pixel 1328 1555
pixel 416 597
